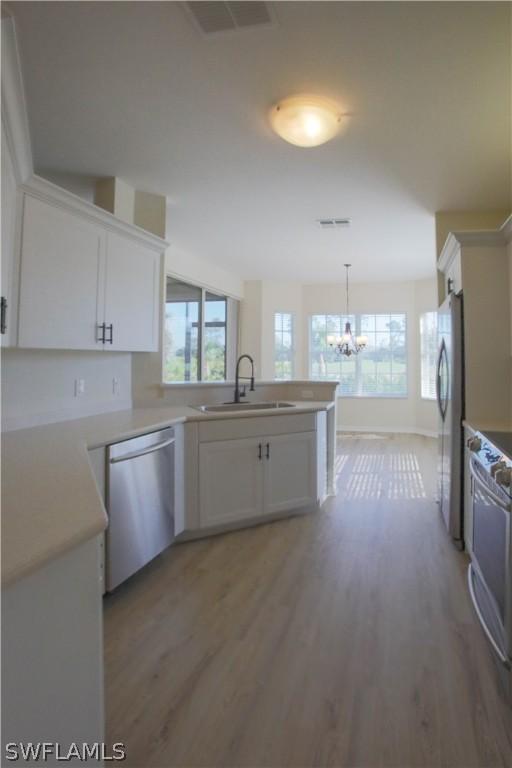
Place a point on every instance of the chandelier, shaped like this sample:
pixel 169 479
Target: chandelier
pixel 348 344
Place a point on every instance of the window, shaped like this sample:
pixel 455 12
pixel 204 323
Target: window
pixel 283 345
pixel 379 371
pixel 196 334
pixel 428 347
pixel 215 327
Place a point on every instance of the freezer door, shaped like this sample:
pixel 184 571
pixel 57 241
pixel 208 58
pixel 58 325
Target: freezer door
pixel 449 385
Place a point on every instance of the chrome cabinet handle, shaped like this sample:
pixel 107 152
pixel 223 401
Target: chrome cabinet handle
pixel 111 329
pixel 268 450
pixel 259 451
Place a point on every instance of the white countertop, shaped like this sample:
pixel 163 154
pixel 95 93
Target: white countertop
pixel 50 501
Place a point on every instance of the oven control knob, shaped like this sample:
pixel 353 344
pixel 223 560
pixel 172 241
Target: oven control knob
pixel 497 467
pixel 474 444
pixel 504 476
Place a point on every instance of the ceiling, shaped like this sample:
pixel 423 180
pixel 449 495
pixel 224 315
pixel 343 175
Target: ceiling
pixel 133 89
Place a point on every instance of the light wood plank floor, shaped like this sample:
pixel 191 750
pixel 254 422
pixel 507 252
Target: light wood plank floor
pixel 344 638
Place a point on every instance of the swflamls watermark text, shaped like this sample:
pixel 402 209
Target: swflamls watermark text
pixel 41 751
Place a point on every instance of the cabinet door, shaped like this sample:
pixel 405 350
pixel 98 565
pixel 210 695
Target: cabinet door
pixel 290 472
pixel 9 199
pixel 60 283
pixel 132 295
pixel 230 481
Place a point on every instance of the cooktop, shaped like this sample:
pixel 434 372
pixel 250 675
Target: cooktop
pixel 502 441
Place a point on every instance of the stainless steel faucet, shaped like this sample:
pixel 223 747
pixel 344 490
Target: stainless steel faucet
pixel 250 378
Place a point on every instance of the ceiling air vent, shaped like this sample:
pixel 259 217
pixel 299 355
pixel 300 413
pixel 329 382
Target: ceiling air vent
pixel 214 17
pixel 333 223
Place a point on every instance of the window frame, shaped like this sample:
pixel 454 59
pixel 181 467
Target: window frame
pixel 201 324
pixel 432 397
pixel 291 315
pixel 355 318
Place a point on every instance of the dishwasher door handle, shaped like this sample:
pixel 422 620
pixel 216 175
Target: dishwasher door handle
pixel 143 452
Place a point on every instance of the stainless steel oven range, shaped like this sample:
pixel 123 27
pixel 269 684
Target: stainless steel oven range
pixel 490 571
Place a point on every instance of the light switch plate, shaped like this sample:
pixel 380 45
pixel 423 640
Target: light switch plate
pixel 116 386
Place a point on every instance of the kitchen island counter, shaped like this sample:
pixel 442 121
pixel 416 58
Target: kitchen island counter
pixel 50 499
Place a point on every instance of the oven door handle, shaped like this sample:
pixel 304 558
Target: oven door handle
pixel 478 481
pixel 497 650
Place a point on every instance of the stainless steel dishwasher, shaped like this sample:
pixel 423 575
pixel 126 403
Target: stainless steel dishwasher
pixel 140 503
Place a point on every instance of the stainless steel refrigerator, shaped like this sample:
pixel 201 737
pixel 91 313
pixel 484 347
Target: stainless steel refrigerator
pixel 450 402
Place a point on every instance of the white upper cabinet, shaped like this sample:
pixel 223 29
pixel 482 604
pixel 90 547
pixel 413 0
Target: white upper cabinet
pixel 131 295
pixel 83 284
pixel 9 221
pixel 61 275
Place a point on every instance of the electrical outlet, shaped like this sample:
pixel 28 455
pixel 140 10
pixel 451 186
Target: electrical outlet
pixel 116 386
pixel 79 387
pixel 307 394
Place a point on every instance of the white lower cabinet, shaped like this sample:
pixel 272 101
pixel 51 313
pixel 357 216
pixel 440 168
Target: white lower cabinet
pixel 230 480
pixel 256 476
pixel 290 472
pixel 52 636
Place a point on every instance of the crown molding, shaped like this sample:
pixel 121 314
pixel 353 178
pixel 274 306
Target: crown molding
pixel 45 190
pixel 450 250
pixel 14 109
pixel 486 237
pixel 17 134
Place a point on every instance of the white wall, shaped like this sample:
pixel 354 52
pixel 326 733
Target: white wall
pixel 200 272
pixel 251 319
pixel 283 297
pixel 147 366
pixel 425 295
pixel 38 385
pixel 509 251
pixel 263 299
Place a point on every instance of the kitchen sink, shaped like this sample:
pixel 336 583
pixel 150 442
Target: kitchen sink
pixel 226 407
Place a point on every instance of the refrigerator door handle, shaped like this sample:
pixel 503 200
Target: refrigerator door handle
pixel 442 351
pixel 438 382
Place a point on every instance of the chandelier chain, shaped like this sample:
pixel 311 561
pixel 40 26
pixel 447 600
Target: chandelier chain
pixel 347 266
pixel 348 344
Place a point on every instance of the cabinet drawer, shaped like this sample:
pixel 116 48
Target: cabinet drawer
pixel 261 426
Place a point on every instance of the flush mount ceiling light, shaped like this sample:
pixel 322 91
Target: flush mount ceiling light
pixel 305 120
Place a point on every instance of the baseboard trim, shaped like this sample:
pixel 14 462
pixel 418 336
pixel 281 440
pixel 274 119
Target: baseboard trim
pixel 388 430
pixel 26 421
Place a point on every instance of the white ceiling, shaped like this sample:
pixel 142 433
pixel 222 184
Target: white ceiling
pixel 134 90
